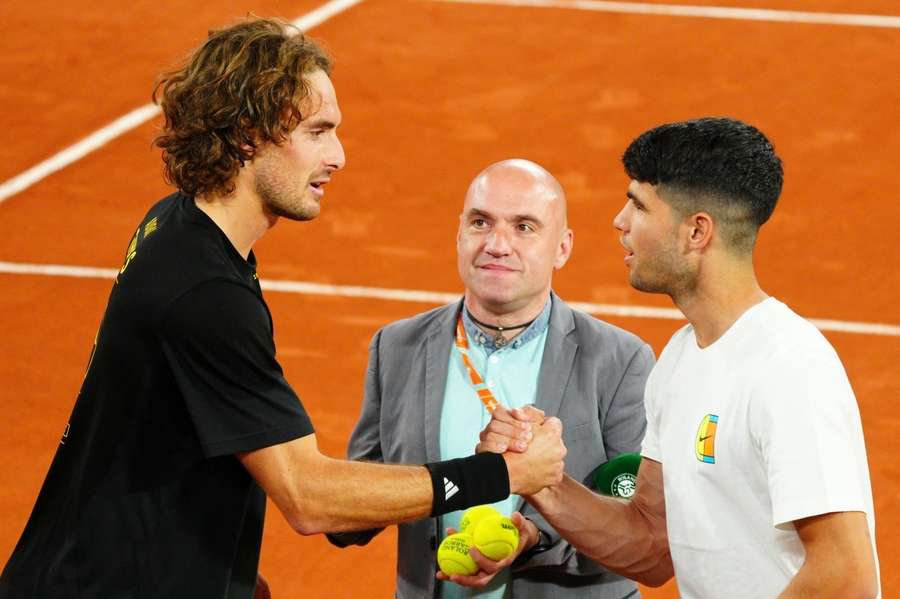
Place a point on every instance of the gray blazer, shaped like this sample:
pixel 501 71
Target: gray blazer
pixel 592 377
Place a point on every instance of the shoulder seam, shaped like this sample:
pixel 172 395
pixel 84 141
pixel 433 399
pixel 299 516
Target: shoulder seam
pixel 216 279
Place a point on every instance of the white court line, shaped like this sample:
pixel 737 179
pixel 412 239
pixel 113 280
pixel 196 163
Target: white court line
pixel 430 297
pixel 323 13
pixel 78 151
pixel 135 118
pixel 711 12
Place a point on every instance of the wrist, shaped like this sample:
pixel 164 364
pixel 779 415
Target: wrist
pixel 539 543
pixel 534 536
pixel 511 470
pixel 516 473
pixel 463 482
pixel 544 498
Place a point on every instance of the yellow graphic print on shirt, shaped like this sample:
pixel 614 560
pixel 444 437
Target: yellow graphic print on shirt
pixel 706 439
pixel 149 227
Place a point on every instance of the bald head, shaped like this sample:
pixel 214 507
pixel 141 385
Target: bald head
pixel 519 178
pixel 512 237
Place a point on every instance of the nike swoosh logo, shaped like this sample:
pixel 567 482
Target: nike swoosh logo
pixel 705 438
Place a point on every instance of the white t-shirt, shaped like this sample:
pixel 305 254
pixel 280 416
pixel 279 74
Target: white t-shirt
pixel 754 431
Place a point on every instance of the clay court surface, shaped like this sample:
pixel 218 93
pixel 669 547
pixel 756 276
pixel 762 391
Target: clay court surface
pixel 432 92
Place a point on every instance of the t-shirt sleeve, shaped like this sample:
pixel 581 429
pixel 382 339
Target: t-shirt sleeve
pixel 806 424
pixel 217 338
pixel 650 444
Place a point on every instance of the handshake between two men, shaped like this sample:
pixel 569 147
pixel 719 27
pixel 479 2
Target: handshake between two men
pixel 534 452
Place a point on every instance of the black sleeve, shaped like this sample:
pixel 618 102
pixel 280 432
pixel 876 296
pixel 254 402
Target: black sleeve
pixel 217 338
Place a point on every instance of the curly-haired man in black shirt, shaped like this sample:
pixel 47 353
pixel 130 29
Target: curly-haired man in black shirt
pixel 185 421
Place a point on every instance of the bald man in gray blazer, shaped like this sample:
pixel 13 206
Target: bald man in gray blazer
pixel 513 235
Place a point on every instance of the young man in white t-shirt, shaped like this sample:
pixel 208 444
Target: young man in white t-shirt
pixel 754 481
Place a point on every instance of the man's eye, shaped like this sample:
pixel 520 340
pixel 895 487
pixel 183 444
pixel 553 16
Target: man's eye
pixel 479 223
pixel 526 228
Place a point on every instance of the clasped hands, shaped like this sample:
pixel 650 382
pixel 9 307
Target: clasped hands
pixel 511 430
pixel 531 444
pixel 534 451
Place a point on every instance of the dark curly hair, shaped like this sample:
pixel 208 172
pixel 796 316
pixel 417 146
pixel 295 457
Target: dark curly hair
pixel 243 87
pixel 720 165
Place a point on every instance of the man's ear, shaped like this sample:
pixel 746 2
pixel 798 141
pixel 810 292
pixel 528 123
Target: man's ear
pixel 564 250
pixel 701 228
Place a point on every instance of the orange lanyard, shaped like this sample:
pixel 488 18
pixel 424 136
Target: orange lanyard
pixel 484 394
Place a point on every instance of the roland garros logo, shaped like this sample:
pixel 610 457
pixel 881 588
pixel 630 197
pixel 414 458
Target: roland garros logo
pixel 624 485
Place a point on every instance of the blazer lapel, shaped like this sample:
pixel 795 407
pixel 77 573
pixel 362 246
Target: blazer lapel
pixel 438 341
pixel 559 358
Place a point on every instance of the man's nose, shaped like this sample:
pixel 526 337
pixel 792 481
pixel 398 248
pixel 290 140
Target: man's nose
pixel 498 242
pixel 336 158
pixel 620 221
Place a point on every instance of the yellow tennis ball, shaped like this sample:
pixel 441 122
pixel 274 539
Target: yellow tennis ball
pixel 453 555
pixel 496 537
pixel 474 515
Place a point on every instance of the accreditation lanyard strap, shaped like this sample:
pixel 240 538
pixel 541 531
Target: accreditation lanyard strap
pixel 484 394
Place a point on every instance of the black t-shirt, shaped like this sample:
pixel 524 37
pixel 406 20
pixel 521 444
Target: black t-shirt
pixel 145 497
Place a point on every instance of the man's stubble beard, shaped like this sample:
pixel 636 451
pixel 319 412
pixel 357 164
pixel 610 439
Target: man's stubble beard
pixel 666 275
pixel 280 200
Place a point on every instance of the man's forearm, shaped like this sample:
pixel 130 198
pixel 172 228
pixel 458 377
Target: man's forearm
pixel 387 494
pixel 332 498
pixel 614 533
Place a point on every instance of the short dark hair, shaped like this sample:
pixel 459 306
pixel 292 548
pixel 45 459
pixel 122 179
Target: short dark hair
pixel 720 165
pixel 242 87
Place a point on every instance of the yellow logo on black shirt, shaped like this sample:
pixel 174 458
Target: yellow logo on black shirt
pixel 150 227
pixel 142 233
pixel 131 252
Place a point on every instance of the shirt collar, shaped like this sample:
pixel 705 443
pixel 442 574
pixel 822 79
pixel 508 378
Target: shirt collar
pixel 535 329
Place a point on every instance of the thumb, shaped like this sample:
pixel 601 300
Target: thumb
pixel 526 535
pixel 553 423
pixel 535 414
